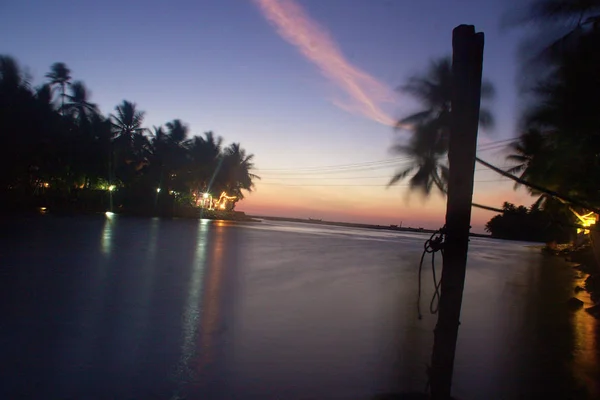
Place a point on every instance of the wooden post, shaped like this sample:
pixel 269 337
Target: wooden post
pixel 467 59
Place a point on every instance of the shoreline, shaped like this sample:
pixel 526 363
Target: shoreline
pixel 358 225
pixel 215 215
pixel 583 260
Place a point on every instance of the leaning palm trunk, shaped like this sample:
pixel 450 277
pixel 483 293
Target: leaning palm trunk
pixel 540 189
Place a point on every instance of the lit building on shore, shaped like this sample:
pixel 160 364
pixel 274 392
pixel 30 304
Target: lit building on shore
pixel 207 201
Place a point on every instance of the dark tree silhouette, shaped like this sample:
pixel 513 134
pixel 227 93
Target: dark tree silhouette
pixel 177 131
pixel 127 122
pixel 558 149
pixel 236 171
pixel 205 161
pixel 72 156
pixel 429 128
pixel 427 154
pixel 60 75
pixel 530 224
pixel 78 105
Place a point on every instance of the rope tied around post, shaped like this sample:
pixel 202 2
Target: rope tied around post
pixel 434 244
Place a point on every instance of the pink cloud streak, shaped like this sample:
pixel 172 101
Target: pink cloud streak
pixel 365 93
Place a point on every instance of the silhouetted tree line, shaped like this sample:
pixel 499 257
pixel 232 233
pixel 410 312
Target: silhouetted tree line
pixel 558 146
pixel 58 149
pixel 530 224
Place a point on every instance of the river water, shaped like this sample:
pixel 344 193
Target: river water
pixel 127 308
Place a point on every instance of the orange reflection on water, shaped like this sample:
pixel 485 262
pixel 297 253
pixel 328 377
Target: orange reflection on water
pixel 586 368
pixel 211 299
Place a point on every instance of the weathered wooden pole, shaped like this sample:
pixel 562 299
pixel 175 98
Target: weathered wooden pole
pixel 467 60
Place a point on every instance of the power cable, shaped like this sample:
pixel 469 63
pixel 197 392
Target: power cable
pixel 392 161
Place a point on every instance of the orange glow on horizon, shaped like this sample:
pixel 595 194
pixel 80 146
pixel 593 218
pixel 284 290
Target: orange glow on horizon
pixel 373 206
pixel 365 93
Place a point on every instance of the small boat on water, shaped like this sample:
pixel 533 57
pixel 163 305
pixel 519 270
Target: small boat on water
pixel 315 220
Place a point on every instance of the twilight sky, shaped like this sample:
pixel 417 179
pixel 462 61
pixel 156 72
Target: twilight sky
pixel 308 86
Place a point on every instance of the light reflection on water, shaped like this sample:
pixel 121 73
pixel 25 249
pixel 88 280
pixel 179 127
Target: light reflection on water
pixel 191 315
pixel 106 242
pixel 211 300
pixel 139 308
pixel 585 353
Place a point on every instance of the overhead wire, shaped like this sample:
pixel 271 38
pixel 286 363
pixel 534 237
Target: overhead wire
pixel 354 185
pixel 286 177
pixel 375 164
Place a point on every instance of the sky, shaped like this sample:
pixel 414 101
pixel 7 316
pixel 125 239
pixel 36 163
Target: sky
pixel 307 86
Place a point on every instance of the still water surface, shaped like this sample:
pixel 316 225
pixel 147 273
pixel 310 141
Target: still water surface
pixel 127 308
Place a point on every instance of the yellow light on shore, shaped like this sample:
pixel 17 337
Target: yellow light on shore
pixel 111 188
pixel 205 195
pixel 109 214
pixel 46 184
pixel 223 199
pixel 157 190
pixel 586 220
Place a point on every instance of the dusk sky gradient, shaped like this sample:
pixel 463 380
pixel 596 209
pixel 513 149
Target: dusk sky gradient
pixel 301 84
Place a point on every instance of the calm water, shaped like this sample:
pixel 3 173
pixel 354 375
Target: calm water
pixel 98 308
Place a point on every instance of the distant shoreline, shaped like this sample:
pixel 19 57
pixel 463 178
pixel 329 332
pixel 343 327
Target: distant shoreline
pixel 356 225
pixel 238 216
pixel 187 212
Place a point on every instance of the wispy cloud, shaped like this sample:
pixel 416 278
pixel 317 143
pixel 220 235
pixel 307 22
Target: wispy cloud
pixel 365 94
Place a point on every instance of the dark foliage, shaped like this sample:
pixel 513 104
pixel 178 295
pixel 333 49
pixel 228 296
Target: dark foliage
pixel 531 224
pixel 560 142
pixel 429 128
pixel 57 149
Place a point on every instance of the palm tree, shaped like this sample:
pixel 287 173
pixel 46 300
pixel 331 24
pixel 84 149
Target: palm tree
pixel 559 26
pixel 78 105
pixel 158 144
pixel 70 145
pixel 558 149
pixel 205 154
pixel 433 89
pixel 11 76
pixel 15 119
pixel 236 171
pixel 60 75
pixel 140 150
pixel 579 14
pixel 427 157
pixel 169 152
pixel 205 148
pixel 127 122
pixel 524 152
pixel 130 145
pixel 532 155
pixel 101 158
pixel 177 131
pixel 44 94
pixel 430 127
pixel 158 135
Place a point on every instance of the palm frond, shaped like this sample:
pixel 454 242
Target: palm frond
pixel 415 118
pixel 421 181
pixel 399 176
